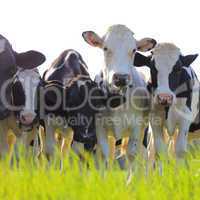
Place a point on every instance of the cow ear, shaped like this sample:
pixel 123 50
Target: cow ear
pixel 141 60
pixel 29 59
pixel 146 44
pixel 93 39
pixel 188 60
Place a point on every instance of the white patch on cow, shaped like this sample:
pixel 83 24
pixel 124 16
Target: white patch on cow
pixel 2 45
pixel 119 44
pixel 81 83
pixel 189 70
pixel 30 80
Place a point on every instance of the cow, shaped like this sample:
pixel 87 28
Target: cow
pixel 174 89
pixel 119 76
pixel 25 118
pixel 71 97
pixel 15 66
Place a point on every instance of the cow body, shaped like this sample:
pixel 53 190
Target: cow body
pixel 174 89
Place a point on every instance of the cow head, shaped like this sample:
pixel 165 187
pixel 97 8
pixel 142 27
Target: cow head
pixel 10 62
pixel 26 82
pixel 24 94
pixel 67 66
pixel 119 46
pixel 166 65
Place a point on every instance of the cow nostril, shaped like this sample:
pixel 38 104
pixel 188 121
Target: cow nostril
pixel 27 118
pixel 165 99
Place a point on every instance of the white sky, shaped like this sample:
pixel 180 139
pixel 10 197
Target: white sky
pixel 52 26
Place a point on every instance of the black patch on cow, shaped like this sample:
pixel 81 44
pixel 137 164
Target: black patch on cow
pixel 166 112
pixel 181 83
pixel 118 142
pixel 18 97
pixel 145 139
pixel 196 124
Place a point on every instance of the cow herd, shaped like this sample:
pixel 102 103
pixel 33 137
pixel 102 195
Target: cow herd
pixel 66 106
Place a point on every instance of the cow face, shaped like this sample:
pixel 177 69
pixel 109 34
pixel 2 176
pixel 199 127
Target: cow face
pixel 166 67
pixel 25 89
pixel 119 46
pixel 66 67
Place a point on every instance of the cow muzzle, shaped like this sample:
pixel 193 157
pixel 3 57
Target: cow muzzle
pixel 27 118
pixel 165 99
pixel 121 80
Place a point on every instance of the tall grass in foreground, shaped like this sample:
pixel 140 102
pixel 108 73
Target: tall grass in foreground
pixel 32 180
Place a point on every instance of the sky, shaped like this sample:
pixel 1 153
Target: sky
pixel 51 26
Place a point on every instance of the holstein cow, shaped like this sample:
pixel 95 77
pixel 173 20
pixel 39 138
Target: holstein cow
pixel 119 76
pixel 14 66
pixel 24 101
pixel 71 101
pixel 174 89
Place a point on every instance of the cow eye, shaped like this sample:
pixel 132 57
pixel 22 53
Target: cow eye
pixel 134 50
pixel 105 48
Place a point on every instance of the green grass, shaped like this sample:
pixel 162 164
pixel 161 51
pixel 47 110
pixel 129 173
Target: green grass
pixel 33 181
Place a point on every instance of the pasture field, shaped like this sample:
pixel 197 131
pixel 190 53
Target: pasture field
pixel 31 180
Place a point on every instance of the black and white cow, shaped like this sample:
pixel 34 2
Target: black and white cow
pixel 16 67
pixel 119 46
pixel 174 88
pixel 72 100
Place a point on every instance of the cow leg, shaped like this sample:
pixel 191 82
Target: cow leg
pixel 67 141
pixel 36 145
pixel 102 140
pixel 181 142
pixel 49 141
pixel 133 149
pixel 160 146
pixel 41 133
pixel 67 137
pixel 4 148
pixel 29 143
